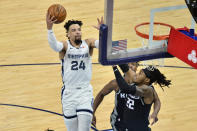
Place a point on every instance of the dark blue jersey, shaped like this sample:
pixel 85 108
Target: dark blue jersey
pixel 136 113
pixel 117 114
pixel 118 111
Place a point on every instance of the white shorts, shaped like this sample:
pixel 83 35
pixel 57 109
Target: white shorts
pixel 77 101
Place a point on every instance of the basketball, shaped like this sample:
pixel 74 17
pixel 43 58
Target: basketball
pixel 58 11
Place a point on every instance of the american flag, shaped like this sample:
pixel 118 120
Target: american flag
pixel 119 45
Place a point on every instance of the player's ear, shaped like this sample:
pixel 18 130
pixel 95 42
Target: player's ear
pixel 67 34
pixel 147 80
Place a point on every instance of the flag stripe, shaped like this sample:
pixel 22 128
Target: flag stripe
pixel 119 45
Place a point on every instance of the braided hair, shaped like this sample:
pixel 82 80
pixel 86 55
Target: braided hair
pixel 156 76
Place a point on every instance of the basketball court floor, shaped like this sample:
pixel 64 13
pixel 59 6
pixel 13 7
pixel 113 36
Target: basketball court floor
pixel 30 78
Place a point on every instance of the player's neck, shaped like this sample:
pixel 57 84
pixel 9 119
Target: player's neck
pixel 143 83
pixel 75 44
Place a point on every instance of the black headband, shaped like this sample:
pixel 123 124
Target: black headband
pixel 149 72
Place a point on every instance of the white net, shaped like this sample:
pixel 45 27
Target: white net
pixel 159 30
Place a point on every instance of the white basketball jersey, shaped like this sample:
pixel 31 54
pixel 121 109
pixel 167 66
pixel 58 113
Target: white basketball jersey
pixel 77 66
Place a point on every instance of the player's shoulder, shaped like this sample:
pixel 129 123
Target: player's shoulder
pixel 65 43
pixel 90 41
pixel 147 89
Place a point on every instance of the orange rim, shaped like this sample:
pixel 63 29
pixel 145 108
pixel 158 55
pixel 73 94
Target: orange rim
pixel 155 37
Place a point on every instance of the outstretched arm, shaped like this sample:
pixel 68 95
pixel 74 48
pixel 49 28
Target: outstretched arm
pixel 143 91
pixel 54 44
pixel 122 83
pixel 93 43
pixel 130 71
pixel 108 88
pixel 157 106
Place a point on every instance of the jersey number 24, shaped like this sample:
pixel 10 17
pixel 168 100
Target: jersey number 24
pixel 75 65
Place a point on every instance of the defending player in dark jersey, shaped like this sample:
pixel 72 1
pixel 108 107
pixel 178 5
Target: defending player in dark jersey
pixel 120 96
pixel 140 95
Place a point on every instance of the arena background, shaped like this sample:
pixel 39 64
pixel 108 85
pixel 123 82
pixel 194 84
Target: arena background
pixel 30 82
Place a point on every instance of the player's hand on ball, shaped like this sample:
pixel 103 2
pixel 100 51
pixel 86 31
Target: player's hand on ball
pixel 50 21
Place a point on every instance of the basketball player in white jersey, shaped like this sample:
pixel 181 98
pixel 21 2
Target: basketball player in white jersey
pixel 75 54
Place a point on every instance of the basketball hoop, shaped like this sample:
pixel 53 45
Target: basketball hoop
pixel 153 38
